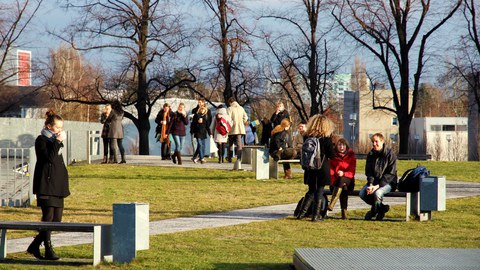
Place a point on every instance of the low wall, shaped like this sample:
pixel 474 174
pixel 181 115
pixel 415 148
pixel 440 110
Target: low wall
pixel 22 132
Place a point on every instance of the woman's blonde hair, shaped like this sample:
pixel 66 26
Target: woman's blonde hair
pixel 319 126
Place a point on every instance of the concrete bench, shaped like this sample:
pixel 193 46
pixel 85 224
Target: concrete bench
pixel 273 168
pixel 248 152
pixel 102 235
pixel 412 206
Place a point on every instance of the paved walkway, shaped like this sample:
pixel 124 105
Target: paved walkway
pixel 455 189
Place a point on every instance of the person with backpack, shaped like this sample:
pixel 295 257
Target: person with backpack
pixel 221 127
pixel 281 146
pixel 316 150
pixel 342 172
pixel 177 130
pixel 239 119
pixel 381 173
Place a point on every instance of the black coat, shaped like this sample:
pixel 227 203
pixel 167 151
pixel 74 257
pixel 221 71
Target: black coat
pixel 381 168
pixel 276 119
pixel 50 176
pixel 201 130
pixel 322 176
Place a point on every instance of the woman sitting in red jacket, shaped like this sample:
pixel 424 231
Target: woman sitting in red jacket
pixel 342 171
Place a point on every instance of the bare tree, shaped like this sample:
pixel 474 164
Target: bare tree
pixel 464 69
pixel 70 77
pixel 147 36
pixel 14 20
pixel 396 32
pixel 232 75
pixel 304 60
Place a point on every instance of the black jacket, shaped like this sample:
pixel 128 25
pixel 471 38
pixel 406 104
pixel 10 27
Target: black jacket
pixel 276 119
pixel 50 176
pixel 280 140
pixel 321 177
pixel 381 168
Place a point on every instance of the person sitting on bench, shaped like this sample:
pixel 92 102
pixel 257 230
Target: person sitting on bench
pixel 381 172
pixel 281 146
pixel 342 172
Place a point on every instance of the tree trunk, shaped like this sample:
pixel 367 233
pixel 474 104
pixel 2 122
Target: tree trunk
pixel 473 127
pixel 403 132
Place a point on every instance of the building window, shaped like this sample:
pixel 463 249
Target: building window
pixel 448 128
pixel 461 127
pixel 394 121
pixel 435 128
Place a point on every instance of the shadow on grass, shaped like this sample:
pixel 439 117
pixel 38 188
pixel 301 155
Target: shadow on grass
pixel 253 266
pixel 35 262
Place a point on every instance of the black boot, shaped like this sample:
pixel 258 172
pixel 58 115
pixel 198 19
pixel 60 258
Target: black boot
pixel 34 247
pixel 174 158
pixel 179 158
pixel 105 160
pixel 316 216
pixel 307 201
pixel 123 159
pixel 49 252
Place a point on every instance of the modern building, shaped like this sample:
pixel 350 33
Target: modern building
pixel 361 121
pixel 16 71
pixel 445 138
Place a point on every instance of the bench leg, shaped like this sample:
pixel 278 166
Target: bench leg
pixel 3 244
pixel 273 169
pixel 102 243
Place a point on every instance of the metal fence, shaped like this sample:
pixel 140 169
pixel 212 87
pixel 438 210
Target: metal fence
pixel 16 170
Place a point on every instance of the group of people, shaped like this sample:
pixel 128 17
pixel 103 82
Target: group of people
pixel 338 171
pixel 51 184
pixel 203 126
pixel 112 133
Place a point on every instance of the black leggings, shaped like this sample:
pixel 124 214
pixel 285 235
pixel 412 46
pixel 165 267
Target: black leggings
pixel 52 214
pixel 106 144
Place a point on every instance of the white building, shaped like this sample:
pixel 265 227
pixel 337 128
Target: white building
pixel 445 138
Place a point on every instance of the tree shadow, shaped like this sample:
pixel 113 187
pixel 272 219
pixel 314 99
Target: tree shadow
pixel 253 266
pixel 35 262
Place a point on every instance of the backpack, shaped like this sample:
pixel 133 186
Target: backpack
pixel 410 180
pixel 311 156
pixel 222 126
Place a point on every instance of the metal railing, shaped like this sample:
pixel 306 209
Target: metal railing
pixel 15 176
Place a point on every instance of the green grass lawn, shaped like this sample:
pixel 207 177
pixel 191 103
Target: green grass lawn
pixel 175 191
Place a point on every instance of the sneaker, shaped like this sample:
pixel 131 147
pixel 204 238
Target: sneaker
pixel 194 160
pixel 202 161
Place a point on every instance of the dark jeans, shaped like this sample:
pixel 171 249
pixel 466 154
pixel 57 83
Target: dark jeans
pixel 106 143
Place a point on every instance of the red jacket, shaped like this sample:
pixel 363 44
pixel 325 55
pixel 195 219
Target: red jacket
pixel 346 163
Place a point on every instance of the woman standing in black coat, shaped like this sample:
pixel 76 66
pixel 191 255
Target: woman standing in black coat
pixel 50 181
pixel 321 127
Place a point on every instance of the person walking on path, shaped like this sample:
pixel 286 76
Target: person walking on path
pixel 381 172
pixel 50 181
pixel 200 103
pixel 239 119
pixel 115 132
pixel 342 172
pixel 164 121
pixel 106 127
pixel 202 132
pixel 177 129
pixel 281 146
pixel 321 127
pixel 221 139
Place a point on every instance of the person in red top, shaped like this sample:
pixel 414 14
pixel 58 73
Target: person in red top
pixel 342 172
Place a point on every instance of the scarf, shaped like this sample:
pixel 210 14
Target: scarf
pixel 164 135
pixel 49 134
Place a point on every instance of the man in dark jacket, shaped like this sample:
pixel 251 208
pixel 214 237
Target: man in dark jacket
pixel 381 172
